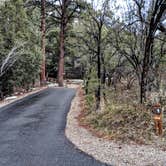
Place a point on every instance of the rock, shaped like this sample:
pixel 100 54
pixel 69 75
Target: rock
pixel 51 85
pixel 11 98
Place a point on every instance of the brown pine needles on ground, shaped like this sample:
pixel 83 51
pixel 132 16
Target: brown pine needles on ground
pixel 122 120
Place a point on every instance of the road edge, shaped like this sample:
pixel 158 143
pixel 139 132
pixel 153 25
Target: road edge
pixel 22 99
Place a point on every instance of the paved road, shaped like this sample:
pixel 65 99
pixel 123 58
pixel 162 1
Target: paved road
pixel 32 132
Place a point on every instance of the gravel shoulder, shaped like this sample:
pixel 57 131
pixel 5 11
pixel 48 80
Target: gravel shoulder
pixel 108 151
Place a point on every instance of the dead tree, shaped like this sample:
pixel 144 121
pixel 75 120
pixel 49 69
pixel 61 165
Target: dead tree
pixel 9 60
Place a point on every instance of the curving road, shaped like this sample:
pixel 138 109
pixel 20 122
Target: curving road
pixel 32 132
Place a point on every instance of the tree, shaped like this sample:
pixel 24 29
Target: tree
pixel 22 61
pixel 63 11
pixel 95 42
pixel 135 39
pixel 157 10
pixel 43 31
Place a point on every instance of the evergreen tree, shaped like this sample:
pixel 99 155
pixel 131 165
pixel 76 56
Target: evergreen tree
pixel 18 27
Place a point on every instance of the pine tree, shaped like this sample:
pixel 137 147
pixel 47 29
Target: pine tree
pixel 18 27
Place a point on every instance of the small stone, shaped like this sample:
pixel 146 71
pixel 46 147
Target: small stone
pixel 11 98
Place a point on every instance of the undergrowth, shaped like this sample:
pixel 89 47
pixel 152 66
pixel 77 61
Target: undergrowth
pixel 122 119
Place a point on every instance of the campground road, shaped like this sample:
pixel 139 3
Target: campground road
pixel 32 132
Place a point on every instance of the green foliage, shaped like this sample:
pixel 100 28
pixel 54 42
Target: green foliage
pixel 93 82
pixel 52 50
pixel 90 101
pixel 17 27
pixel 27 68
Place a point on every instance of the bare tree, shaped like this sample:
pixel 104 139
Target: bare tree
pixel 95 42
pixel 135 39
pixel 155 23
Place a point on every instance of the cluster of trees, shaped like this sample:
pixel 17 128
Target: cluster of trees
pixel 42 37
pixel 19 47
pixel 32 38
pixel 136 45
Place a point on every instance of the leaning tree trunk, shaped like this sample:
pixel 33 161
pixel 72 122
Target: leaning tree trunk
pixel 43 30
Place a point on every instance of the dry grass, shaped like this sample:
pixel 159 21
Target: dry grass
pixel 123 119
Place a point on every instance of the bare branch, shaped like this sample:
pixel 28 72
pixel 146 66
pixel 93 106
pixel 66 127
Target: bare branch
pixel 9 60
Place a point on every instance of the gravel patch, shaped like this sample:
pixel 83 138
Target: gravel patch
pixel 110 152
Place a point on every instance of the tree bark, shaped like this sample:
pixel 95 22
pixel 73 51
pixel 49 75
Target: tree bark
pixel 103 79
pixel 98 93
pixel 43 30
pixel 62 43
pixel 146 65
pixel 61 58
pixel 148 52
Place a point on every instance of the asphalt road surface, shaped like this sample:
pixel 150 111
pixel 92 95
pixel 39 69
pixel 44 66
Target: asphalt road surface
pixel 32 132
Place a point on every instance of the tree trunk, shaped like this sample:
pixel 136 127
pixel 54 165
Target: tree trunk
pixel 43 30
pixel 103 72
pixel 145 67
pixel 62 44
pixel 61 58
pixel 142 90
pixel 157 14
pixel 98 92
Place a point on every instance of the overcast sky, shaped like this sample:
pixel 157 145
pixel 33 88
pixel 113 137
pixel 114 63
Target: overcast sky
pixel 121 3
pixel 118 2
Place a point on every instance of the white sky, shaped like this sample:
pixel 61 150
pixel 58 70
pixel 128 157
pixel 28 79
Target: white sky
pixel 121 3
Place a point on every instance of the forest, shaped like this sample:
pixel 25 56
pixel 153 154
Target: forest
pixel 120 57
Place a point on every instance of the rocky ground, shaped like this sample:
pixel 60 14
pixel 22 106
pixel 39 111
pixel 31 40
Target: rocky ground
pixel 111 152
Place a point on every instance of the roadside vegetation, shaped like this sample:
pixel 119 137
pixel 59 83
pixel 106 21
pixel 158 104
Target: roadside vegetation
pixel 125 75
pixel 122 118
